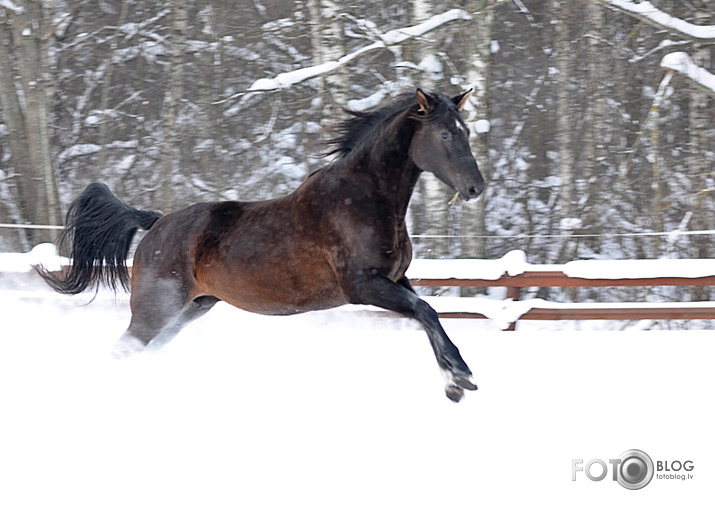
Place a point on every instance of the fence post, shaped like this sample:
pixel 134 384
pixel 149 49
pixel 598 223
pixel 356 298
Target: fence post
pixel 514 293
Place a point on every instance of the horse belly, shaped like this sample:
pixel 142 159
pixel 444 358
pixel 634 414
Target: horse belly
pixel 275 290
pixel 268 257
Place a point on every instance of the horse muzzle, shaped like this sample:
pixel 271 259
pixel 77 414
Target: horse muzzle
pixel 473 187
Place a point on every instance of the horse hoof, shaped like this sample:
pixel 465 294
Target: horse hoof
pixel 454 393
pixel 457 383
pixel 464 382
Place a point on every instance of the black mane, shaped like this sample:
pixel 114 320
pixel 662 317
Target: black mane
pixel 353 131
pixel 363 129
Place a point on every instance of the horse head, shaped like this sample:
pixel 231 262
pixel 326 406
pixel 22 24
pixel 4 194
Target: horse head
pixel 440 144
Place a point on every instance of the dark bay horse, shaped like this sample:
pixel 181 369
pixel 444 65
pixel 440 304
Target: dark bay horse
pixel 339 238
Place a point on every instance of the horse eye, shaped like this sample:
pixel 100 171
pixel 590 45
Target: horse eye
pixel 445 135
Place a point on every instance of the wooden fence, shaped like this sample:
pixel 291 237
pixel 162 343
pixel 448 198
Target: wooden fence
pixel 556 276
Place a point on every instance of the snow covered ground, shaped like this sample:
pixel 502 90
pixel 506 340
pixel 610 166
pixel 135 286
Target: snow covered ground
pixel 338 410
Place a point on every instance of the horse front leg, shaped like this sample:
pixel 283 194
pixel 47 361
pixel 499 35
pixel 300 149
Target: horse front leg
pixel 400 297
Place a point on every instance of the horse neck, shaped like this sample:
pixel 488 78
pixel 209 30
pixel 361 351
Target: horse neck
pixel 394 173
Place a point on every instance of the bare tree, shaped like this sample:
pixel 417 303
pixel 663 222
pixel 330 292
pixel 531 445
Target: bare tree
pixel 106 89
pixel 429 209
pixel 595 154
pixel 477 111
pixel 26 104
pixel 327 35
pixel 562 43
pixel 699 166
pixel 171 147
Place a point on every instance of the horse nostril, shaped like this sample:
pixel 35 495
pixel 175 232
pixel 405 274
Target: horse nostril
pixel 473 191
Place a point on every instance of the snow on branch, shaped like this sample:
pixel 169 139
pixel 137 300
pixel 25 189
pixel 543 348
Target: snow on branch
pixel 681 62
pixel 391 38
pixel 7 4
pixel 649 13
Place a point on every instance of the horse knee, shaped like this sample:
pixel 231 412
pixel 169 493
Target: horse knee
pixel 425 313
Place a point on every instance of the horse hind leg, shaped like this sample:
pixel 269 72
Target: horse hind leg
pixel 158 314
pixel 135 338
pixel 191 311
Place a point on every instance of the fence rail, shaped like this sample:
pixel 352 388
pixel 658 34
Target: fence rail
pixel 536 309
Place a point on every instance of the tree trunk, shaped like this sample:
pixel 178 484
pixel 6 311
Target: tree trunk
pixel 430 211
pixel 27 116
pixel 328 44
pixel 699 167
pixel 473 214
pixel 595 164
pixel 14 119
pixel 106 88
pixel 562 43
pixel 562 11
pixel 171 154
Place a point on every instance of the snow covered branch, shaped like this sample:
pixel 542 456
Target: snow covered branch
pixel 650 14
pixel 682 63
pixel 7 4
pixel 391 38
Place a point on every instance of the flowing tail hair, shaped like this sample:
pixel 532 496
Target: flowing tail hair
pixel 98 232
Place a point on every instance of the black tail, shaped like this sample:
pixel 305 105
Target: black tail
pixel 98 230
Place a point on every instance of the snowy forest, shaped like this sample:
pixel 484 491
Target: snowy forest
pixel 592 121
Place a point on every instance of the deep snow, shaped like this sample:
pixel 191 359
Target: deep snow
pixel 337 410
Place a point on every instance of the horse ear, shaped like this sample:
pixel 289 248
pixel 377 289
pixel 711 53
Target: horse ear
pixel 424 101
pixel 461 99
